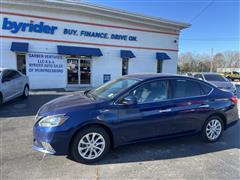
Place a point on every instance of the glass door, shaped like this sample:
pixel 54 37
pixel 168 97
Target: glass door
pixel 73 71
pixel 85 71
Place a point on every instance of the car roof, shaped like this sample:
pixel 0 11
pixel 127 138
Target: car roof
pixel 145 76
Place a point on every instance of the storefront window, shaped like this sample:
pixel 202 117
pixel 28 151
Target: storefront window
pixel 124 67
pixel 72 71
pixel 85 70
pixel 159 66
pixel 21 63
pixel 79 71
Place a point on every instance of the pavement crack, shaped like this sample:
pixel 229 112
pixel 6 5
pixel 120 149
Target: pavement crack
pixel 97 173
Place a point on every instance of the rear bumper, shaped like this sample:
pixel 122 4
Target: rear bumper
pixel 231 114
pixel 232 123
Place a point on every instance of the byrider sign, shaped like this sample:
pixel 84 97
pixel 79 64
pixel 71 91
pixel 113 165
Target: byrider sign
pixel 41 27
pixel 15 27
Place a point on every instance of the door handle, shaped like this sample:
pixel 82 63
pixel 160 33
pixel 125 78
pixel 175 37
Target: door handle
pixel 204 106
pixel 165 110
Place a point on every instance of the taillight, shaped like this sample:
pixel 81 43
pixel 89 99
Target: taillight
pixel 234 99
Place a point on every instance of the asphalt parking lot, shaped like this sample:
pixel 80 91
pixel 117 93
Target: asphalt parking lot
pixel 182 158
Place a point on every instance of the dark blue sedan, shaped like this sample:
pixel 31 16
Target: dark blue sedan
pixel 132 109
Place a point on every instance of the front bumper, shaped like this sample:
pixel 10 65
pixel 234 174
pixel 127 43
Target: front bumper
pixel 42 149
pixel 51 141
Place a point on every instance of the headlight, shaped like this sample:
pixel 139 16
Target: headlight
pixel 53 121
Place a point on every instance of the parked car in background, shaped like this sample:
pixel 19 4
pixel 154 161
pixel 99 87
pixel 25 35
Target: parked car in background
pixel 189 74
pixel 218 80
pixel 12 84
pixel 134 108
pixel 232 75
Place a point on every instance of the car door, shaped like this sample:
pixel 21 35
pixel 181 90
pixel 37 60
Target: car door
pixel 19 82
pixel 150 117
pixel 191 105
pixel 8 86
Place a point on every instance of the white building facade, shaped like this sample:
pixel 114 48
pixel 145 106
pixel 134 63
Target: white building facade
pixel 62 44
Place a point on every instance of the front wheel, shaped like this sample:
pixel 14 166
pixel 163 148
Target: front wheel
pixel 90 145
pixel 212 129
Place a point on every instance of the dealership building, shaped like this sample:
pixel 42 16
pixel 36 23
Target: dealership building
pixel 65 44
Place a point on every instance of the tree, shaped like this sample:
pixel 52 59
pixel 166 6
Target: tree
pixel 189 62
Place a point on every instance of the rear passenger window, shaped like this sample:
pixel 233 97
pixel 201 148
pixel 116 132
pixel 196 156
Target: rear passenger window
pixel 186 88
pixel 206 89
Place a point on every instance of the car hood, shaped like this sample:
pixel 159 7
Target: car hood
pixel 222 85
pixel 65 102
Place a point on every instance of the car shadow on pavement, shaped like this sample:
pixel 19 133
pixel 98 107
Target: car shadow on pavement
pixel 26 107
pixel 182 147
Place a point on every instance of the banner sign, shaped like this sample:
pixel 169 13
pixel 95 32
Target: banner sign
pixel 44 64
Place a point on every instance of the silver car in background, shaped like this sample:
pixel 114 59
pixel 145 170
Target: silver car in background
pixel 12 84
pixel 218 80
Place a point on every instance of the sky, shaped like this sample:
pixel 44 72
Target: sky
pixel 214 23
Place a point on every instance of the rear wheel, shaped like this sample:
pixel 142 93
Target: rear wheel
pixel 212 129
pixel 25 92
pixel 90 144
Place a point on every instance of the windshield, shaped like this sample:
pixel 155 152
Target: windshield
pixel 112 88
pixel 214 77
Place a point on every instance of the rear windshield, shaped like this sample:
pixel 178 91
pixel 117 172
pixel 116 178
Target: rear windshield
pixel 214 77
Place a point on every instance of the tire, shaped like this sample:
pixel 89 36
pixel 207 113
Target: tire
pixel 80 141
pixel 217 129
pixel 25 91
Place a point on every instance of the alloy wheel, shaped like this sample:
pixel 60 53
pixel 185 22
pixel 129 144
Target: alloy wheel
pixel 213 129
pixel 91 146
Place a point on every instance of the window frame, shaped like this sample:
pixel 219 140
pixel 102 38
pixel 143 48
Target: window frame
pixel 170 89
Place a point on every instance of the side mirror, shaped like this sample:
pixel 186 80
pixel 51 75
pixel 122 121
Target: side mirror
pixel 129 100
pixel 200 78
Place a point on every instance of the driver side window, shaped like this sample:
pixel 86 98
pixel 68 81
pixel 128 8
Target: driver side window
pixel 152 92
